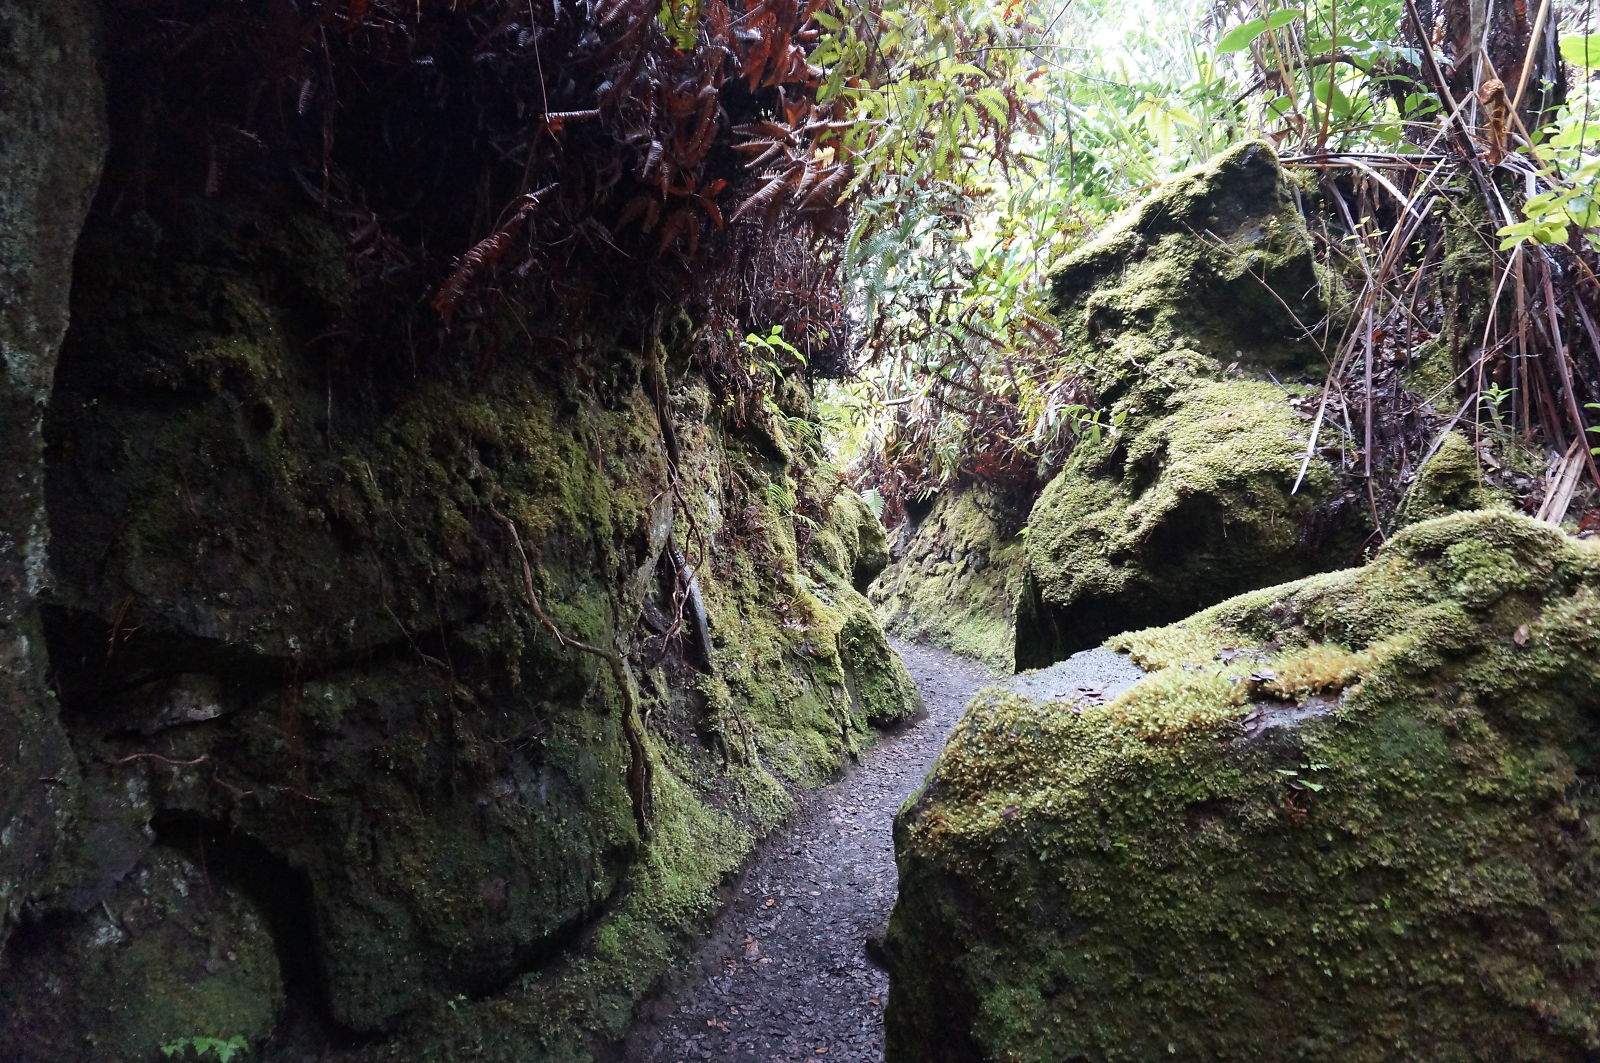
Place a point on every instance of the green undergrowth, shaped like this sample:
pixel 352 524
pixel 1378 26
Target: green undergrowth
pixel 1347 817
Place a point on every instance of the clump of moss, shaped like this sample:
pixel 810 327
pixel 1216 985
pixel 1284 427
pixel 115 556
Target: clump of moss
pixel 1448 482
pixel 1192 503
pixel 1348 817
pixel 954 583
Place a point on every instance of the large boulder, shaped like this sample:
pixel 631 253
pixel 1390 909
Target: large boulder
pixel 1351 817
pixel 1194 316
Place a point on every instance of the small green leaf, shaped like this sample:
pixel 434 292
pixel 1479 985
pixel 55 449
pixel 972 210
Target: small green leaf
pixel 1331 96
pixel 1243 36
pixel 1582 51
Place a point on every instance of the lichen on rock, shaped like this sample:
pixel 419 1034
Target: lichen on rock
pixel 1347 817
pixel 52 142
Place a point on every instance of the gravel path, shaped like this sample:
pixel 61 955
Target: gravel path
pixel 785 974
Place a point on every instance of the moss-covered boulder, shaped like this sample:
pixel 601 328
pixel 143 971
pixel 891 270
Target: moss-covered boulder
pixel 1351 818
pixel 1194 502
pixel 953 580
pixel 1217 259
pixel 1193 314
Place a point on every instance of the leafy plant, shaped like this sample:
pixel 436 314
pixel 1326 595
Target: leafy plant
pixel 207 1048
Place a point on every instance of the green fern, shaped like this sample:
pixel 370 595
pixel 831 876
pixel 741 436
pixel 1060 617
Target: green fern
pixel 207 1048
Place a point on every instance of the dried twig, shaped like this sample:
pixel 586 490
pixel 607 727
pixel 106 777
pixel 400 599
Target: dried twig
pixel 130 758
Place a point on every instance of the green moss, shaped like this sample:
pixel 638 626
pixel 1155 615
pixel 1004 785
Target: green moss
pixel 1190 504
pixel 1431 372
pixel 1186 314
pixel 396 722
pixel 559 1014
pixel 1347 818
pixel 173 953
pixel 851 544
pixel 1448 482
pixel 1218 259
pixel 955 583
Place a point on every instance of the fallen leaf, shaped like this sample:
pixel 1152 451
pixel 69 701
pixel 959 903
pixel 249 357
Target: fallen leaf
pixel 1521 636
pixel 770 902
pixel 751 949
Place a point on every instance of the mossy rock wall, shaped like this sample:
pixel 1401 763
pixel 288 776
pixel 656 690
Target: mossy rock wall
pixel 1193 316
pixel 1349 818
pixel 953 579
pixel 294 643
pixel 52 141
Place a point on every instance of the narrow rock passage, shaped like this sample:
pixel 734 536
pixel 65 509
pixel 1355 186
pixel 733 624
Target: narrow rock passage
pixel 785 975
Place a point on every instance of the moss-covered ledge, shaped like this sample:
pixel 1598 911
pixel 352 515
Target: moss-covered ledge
pixel 329 683
pixel 1347 818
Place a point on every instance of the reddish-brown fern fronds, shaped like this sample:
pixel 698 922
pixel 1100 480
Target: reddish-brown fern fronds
pixel 483 256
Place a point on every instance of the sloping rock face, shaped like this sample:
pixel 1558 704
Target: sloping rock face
pixel 1351 817
pixel 953 578
pixel 427 713
pixel 1193 315
pixel 52 141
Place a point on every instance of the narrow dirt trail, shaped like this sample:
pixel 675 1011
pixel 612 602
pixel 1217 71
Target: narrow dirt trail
pixel 785 974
